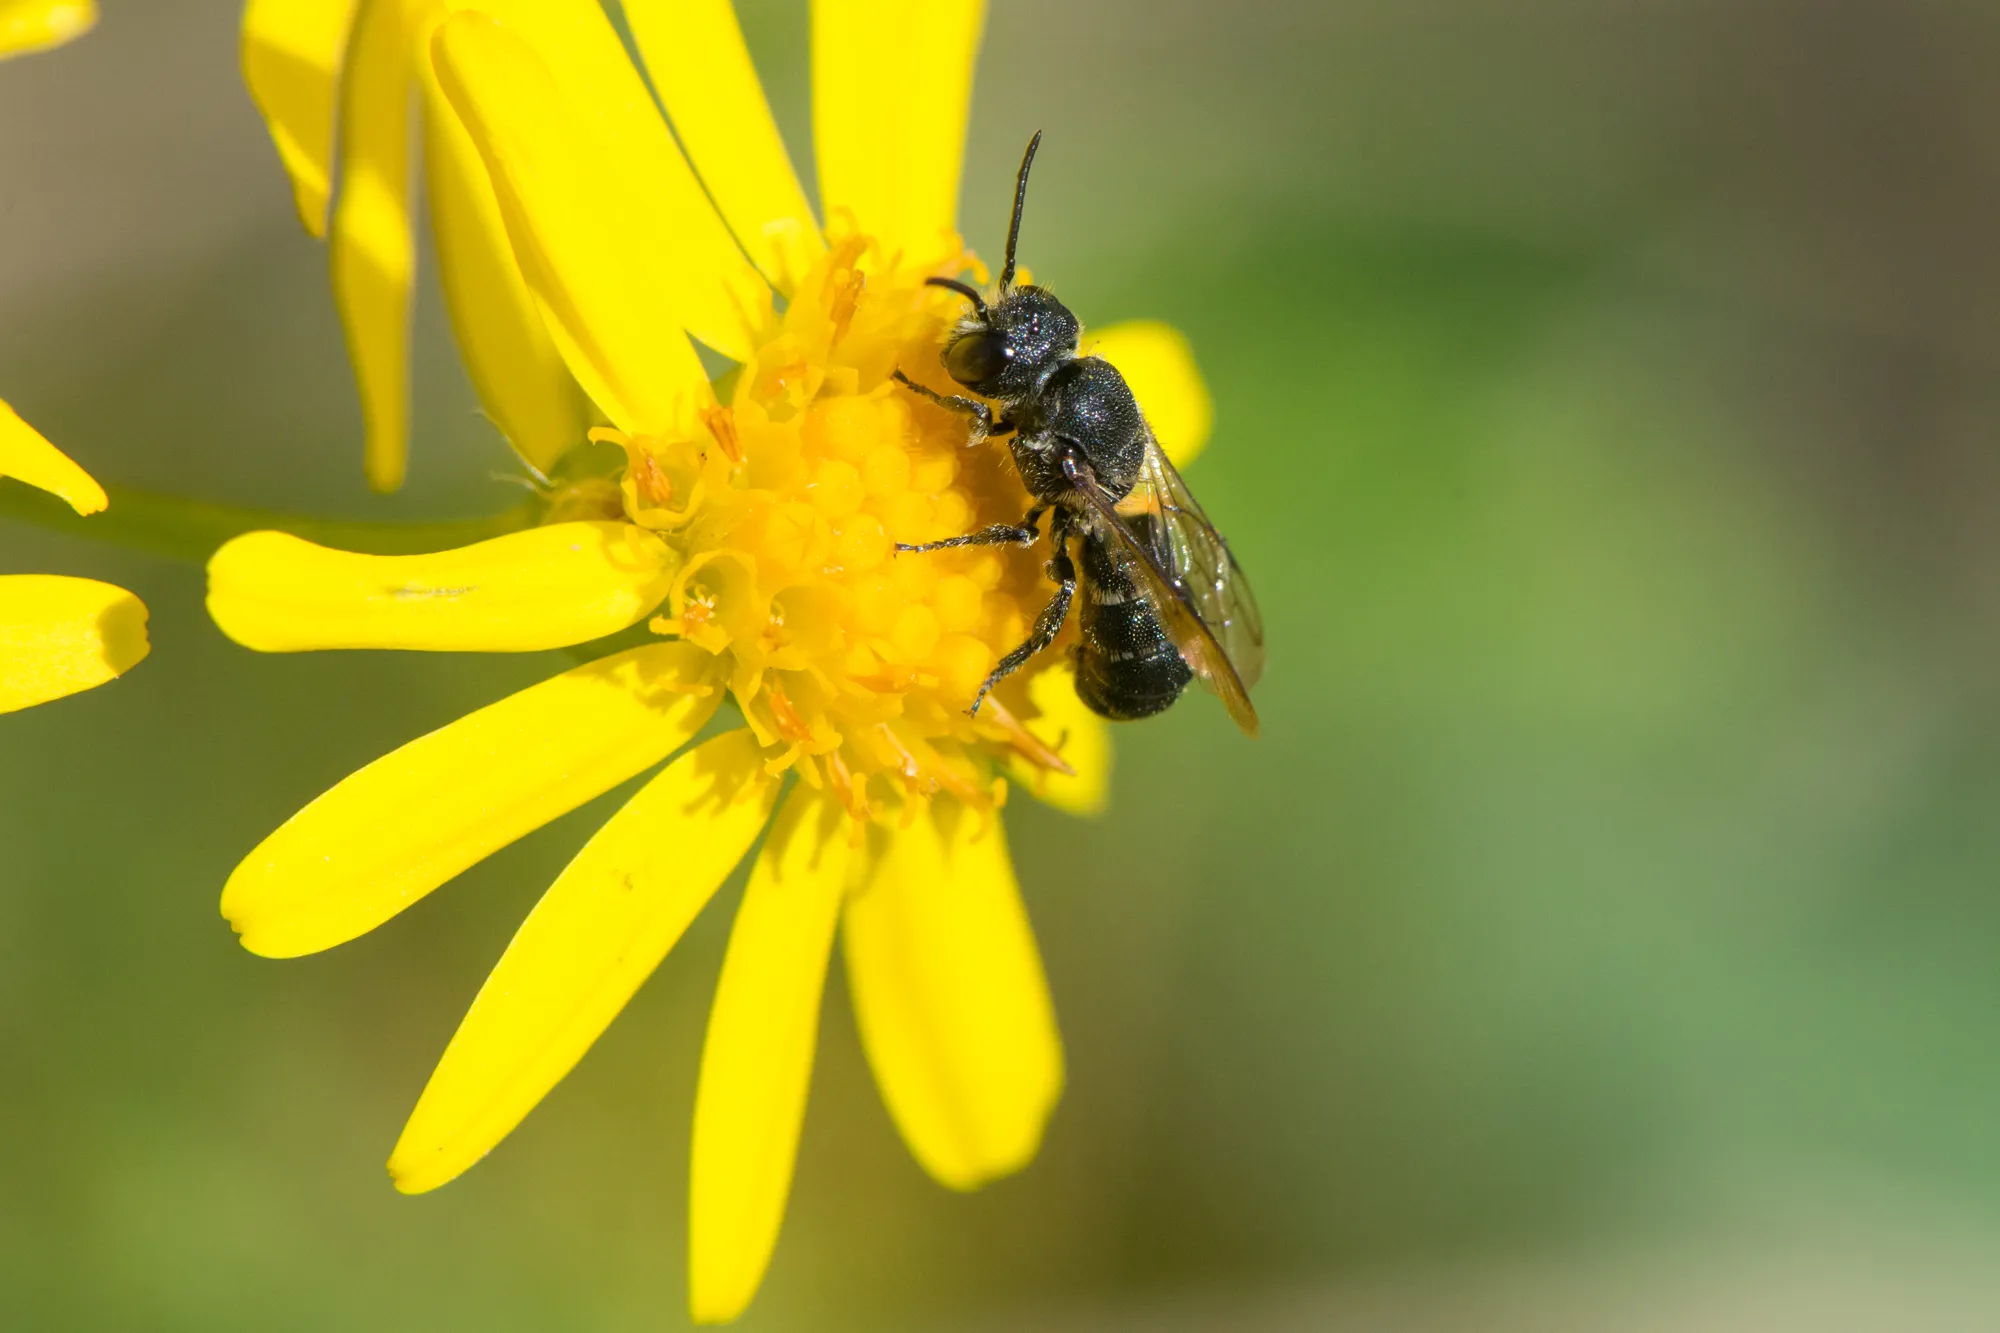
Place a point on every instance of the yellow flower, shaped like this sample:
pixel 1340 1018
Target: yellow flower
pixel 752 521
pixel 59 635
pixel 37 25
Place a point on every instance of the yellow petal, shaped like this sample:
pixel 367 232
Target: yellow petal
pixel 949 994
pixel 513 362
pixel 544 588
pixel 892 83
pixel 37 25
pixel 595 262
pixel 694 52
pixel 60 635
pixel 292 52
pixel 26 456
pixel 389 834
pixel 1157 362
pixel 1081 737
pixel 757 1060
pixel 374 257
pixel 596 935
pixel 654 207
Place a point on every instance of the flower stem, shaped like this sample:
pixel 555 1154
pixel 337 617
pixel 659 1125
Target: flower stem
pixel 179 528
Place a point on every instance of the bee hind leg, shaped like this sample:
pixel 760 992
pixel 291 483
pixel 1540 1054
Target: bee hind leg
pixel 1047 625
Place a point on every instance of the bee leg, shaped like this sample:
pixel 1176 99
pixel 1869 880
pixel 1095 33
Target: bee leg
pixel 983 424
pixel 998 534
pixel 1047 625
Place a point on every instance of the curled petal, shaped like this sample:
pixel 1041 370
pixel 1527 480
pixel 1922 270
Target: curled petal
pixel 952 1004
pixel 392 832
pixel 892 84
pixel 757 1060
pixel 513 362
pixel 60 635
pixel 593 260
pixel 548 587
pixel 373 255
pixel 1157 362
pixel 26 456
pixel 596 935
pixel 292 52
pixel 37 25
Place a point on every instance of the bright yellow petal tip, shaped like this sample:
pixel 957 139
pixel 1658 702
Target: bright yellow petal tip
pixel 26 456
pixel 596 935
pixel 60 635
pixel 950 996
pixel 1157 362
pixel 37 25
pixel 389 834
pixel 547 587
pixel 757 1061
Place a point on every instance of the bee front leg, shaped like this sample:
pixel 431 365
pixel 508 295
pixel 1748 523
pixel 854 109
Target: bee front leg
pixel 1047 625
pixel 997 534
pixel 984 425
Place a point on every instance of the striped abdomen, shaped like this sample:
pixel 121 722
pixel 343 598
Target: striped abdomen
pixel 1126 666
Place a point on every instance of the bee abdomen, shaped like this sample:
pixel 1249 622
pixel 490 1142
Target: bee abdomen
pixel 1127 666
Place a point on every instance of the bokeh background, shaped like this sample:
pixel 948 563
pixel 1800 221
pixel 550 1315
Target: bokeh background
pixel 1605 934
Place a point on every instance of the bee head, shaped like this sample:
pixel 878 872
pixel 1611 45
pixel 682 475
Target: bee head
pixel 1004 351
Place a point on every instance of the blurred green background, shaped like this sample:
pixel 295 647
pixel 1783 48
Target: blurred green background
pixel 1605 933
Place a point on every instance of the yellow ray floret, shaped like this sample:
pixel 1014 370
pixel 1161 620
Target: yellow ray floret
pixel 1157 362
pixel 757 1060
pixel 60 635
pixel 892 86
pixel 949 994
pixel 512 360
pixel 606 285
pixel 292 54
pixel 36 25
pixel 599 931
pixel 548 587
pixel 1075 735
pixel 694 52
pixel 27 457
pixel 399 828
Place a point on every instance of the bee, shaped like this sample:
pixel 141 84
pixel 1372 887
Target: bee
pixel 1163 601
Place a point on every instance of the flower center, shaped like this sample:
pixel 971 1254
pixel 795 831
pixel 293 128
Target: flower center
pixel 851 662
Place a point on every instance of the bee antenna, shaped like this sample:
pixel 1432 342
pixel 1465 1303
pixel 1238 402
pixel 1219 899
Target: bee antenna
pixel 1020 200
pixel 969 292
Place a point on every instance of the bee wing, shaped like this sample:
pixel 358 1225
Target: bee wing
pixel 1173 604
pixel 1196 559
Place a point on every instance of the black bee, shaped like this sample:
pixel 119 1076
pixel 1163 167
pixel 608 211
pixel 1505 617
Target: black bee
pixel 1163 599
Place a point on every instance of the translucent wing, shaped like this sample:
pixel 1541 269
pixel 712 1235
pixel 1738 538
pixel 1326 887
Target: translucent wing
pixel 1133 536
pixel 1198 562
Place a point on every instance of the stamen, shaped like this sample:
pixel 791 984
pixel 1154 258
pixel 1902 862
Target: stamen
pixel 848 665
pixel 721 423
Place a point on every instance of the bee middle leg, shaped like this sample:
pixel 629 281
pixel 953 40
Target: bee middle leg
pixel 984 426
pixel 1023 533
pixel 1047 625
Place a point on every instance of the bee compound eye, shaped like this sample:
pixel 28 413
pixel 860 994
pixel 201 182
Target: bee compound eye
pixel 976 358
